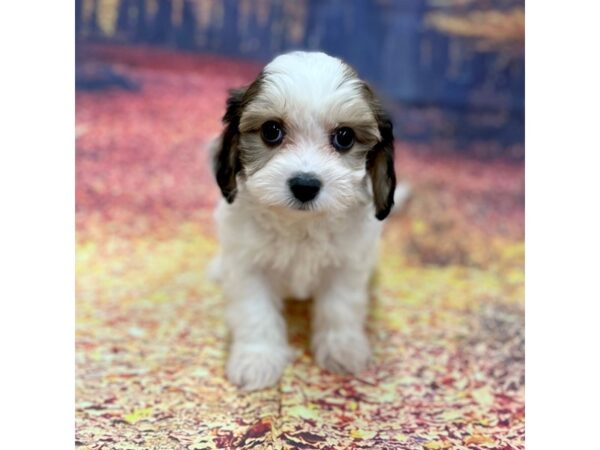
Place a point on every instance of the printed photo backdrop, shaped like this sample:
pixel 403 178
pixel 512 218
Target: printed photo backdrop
pixel 446 317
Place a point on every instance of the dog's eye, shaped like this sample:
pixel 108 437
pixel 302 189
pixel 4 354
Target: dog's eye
pixel 343 139
pixel 271 132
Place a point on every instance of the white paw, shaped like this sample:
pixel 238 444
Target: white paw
pixel 257 365
pixel 343 351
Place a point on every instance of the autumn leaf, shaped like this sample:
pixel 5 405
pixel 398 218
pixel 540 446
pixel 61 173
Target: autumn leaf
pixel 438 445
pixel 137 415
pixel 478 439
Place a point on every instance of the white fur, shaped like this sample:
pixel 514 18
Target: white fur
pixel 271 251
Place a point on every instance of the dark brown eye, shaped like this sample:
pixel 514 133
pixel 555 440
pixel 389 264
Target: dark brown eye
pixel 271 132
pixel 343 139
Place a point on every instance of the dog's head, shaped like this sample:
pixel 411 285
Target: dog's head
pixel 307 135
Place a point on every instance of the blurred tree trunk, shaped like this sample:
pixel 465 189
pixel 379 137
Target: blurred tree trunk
pixel 365 47
pixel 93 26
pixel 277 24
pixel 312 32
pixel 78 16
pixel 230 32
pixel 186 36
pixel 123 20
pixel 162 29
pixel 141 31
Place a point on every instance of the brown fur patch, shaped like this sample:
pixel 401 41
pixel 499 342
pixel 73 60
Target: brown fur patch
pixel 227 161
pixel 380 159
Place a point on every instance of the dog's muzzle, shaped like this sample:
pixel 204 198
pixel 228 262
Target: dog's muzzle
pixel 304 186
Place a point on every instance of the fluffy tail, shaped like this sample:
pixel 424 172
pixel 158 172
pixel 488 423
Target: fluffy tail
pixel 214 271
pixel 401 196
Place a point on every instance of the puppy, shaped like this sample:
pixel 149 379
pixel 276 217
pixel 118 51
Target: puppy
pixel 306 168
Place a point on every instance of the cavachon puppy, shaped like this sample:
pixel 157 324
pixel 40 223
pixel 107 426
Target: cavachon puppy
pixel 306 168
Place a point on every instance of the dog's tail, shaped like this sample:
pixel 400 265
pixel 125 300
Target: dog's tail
pixel 402 194
pixel 214 270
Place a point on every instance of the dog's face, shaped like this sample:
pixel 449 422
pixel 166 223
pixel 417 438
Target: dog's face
pixel 307 135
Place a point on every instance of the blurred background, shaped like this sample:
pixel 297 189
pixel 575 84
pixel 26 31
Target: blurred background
pixel 451 70
pixel 446 319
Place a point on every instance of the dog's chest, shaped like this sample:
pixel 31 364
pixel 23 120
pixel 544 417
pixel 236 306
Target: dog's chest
pixel 298 262
pixel 297 255
pixel 297 259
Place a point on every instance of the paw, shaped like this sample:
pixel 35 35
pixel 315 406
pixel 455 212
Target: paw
pixel 342 351
pixel 256 366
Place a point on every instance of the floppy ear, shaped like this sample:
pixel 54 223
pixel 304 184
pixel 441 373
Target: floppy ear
pixel 380 167
pixel 226 160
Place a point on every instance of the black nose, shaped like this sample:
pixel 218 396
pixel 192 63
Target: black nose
pixel 304 186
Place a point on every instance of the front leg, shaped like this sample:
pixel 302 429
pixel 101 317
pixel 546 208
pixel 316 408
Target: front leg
pixel 339 341
pixel 259 351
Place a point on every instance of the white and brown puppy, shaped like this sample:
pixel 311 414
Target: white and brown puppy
pixel 305 165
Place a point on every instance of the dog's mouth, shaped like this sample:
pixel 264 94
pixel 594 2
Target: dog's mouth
pixel 310 206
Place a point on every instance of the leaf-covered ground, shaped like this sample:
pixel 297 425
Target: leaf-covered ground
pixel 446 321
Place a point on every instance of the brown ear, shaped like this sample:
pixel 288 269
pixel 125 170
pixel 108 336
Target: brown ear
pixel 380 166
pixel 226 160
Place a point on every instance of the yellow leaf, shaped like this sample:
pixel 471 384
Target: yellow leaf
pixel 138 415
pixel 361 434
pixel 478 439
pixel 483 396
pixel 437 445
pixel 452 415
pixel 402 438
pixel 304 412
